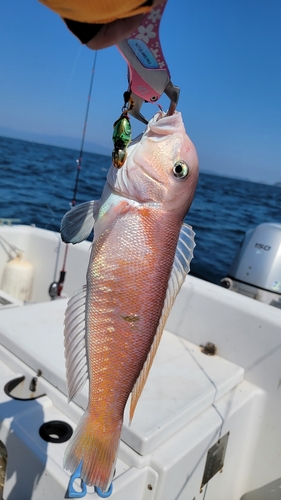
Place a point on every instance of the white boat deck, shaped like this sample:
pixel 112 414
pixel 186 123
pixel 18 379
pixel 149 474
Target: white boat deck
pixel 205 426
pixel 183 381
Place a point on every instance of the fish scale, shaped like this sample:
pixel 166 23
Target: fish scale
pixel 135 291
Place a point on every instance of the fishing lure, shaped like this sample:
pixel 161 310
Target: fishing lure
pixel 122 133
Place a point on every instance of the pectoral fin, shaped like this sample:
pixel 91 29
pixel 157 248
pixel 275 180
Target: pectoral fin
pixel 180 269
pixel 78 222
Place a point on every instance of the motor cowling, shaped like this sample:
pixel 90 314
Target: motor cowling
pixel 257 264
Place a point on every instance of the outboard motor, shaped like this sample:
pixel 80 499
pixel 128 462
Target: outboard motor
pixel 256 268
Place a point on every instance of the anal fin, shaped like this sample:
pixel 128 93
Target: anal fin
pixel 74 343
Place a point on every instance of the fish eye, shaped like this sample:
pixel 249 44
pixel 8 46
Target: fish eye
pixel 180 169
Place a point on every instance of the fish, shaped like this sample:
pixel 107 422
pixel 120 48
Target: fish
pixel 140 256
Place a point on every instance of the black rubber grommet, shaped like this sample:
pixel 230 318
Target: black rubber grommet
pixel 55 431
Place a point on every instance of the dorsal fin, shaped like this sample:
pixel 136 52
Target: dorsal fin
pixel 78 222
pixel 180 269
pixel 74 343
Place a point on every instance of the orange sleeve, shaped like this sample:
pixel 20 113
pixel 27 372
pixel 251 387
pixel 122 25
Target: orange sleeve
pixel 97 11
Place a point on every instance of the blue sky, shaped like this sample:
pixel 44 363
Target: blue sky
pixel 224 55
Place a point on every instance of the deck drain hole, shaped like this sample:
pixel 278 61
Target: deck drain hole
pixel 55 431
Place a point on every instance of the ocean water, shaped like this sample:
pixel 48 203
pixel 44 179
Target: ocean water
pixel 37 183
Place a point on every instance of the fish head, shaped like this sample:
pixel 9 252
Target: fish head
pixel 161 166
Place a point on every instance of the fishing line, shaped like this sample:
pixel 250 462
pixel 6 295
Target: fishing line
pixel 64 100
pixel 79 160
pixel 55 288
pixel 72 73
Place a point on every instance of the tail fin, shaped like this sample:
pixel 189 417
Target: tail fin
pixel 96 449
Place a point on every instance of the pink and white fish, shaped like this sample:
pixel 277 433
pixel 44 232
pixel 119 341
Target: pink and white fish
pixel 140 257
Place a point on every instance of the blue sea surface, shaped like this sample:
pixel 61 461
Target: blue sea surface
pixel 37 183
